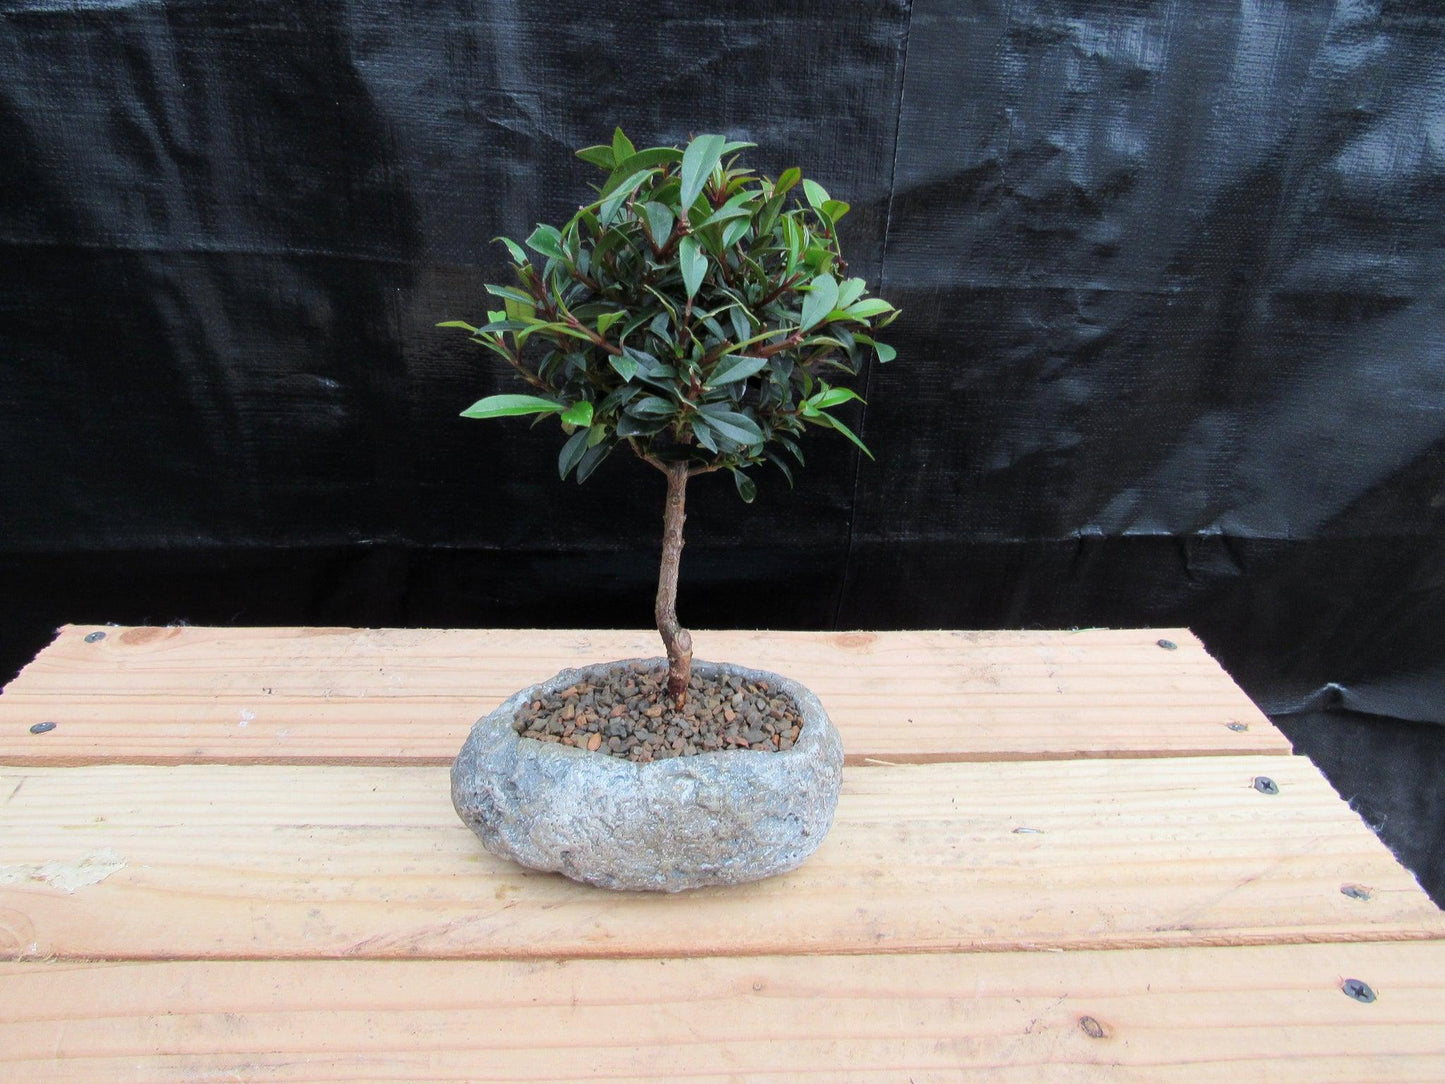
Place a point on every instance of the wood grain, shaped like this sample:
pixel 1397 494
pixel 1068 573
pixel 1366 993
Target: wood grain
pixel 271 861
pixel 403 696
pixel 1272 1013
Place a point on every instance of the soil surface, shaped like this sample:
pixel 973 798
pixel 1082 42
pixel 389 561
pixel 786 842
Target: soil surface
pixel 628 714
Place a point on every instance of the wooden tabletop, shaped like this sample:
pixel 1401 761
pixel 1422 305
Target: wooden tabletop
pixel 1058 856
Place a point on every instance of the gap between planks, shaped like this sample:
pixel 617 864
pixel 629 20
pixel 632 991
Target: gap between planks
pixel 1162 1015
pixel 195 861
pixel 398 696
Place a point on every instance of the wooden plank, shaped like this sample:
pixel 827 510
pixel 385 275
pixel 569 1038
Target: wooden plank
pixel 262 861
pixel 393 696
pixel 1273 1013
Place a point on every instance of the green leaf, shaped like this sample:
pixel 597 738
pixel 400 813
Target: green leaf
pixel 591 461
pixel 515 249
pixel 652 406
pixel 740 369
pixel 647 365
pixel 633 324
pixel 834 423
pixel 572 452
pixel 619 397
pixel 510 293
pixel 697 165
pixel 747 488
pixel 609 207
pixel 579 413
pixel 724 214
pixel 693 264
pixel 782 465
pixel 815 192
pixel 458 323
pixel 622 148
pixel 734 231
pixel 873 306
pixel 738 428
pixel 496 327
pixel 703 432
pixel 651 157
pixel 666 304
pixel 739 317
pixel 819 258
pixel 508 406
pixel 831 397
pixel 822 295
pixel 659 222
pixel 628 426
pixel 835 209
pixel 886 353
pixel 562 329
pixel 625 366
pixel 793 239
pixel 598 156
pixel 607 319
pixel 519 310
pixel 737 205
pixel 849 291
pixel 789 178
pixel 768 215
pixel 546 241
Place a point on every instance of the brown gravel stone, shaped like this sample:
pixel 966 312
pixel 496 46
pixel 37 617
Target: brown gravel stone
pixel 629 716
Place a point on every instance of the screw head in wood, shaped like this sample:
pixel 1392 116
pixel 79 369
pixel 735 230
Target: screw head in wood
pixel 42 728
pixel 1265 785
pixel 94 637
pixel 1358 990
pixel 1168 645
pixel 1238 728
pixel 1355 892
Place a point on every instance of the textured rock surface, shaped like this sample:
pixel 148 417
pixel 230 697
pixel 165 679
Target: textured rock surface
pixel 717 818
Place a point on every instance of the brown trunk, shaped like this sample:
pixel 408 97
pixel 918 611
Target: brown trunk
pixel 675 638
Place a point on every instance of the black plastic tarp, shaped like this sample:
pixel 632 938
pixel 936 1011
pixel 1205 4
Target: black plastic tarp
pixel 1171 351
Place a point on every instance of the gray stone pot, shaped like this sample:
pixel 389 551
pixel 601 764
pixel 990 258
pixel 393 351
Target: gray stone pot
pixel 711 819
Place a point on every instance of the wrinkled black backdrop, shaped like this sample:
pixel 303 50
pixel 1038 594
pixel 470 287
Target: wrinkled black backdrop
pixel 1171 351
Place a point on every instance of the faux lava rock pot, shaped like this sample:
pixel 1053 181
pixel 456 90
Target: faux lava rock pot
pixel 715 818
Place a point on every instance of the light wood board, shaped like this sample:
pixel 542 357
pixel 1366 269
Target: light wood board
pixel 255 861
pixel 1272 1013
pixel 1049 863
pixel 397 696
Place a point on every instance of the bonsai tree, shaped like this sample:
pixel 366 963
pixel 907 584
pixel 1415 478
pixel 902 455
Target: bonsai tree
pixel 691 313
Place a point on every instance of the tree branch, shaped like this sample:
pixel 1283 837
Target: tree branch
pixel 783 287
pixel 675 639
pixel 573 322
pixel 778 347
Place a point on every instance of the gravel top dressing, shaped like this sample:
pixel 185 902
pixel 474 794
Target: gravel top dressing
pixel 627 714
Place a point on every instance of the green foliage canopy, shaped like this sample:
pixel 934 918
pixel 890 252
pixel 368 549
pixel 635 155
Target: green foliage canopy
pixel 692 312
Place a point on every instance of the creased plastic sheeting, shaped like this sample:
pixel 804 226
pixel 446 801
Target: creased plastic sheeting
pixel 229 234
pixel 1172 276
pixel 1169 269
pixel 1173 347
